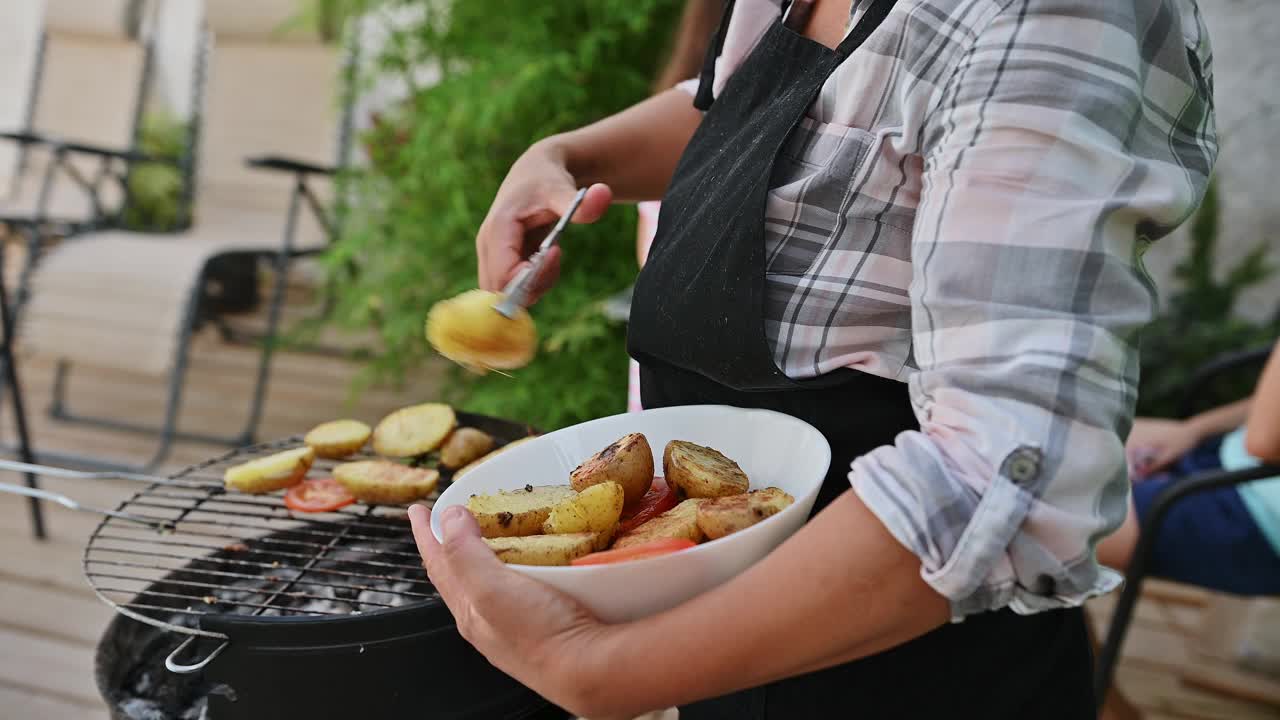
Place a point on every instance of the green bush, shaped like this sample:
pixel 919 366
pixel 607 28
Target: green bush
pixel 1199 323
pixel 155 189
pixel 512 73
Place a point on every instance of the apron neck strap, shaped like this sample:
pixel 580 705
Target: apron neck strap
pixel 877 11
pixel 707 78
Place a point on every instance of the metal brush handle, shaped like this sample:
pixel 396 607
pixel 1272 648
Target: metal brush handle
pixel 516 294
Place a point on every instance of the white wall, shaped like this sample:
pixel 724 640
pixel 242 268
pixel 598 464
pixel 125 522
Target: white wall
pixel 176 25
pixel 1245 35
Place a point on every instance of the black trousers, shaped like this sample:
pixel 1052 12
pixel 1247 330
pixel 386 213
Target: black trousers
pixel 993 665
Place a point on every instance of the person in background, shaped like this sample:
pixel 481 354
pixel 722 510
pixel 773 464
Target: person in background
pixel 1262 439
pixel 1226 539
pixel 696 25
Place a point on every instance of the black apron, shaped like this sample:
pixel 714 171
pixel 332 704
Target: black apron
pixel 697 330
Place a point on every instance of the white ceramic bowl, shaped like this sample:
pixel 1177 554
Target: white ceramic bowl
pixel 773 449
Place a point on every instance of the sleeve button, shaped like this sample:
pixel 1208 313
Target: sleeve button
pixel 1022 466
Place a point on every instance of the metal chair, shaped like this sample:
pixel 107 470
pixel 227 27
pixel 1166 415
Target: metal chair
pixel 88 87
pixel 86 293
pixel 1136 573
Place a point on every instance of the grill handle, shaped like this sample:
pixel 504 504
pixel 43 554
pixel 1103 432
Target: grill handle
pixel 70 504
pixel 172 664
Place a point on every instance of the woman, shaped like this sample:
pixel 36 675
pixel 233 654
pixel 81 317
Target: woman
pixel 915 226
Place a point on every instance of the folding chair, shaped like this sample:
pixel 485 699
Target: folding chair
pixel 87 85
pixel 87 292
pixel 1136 573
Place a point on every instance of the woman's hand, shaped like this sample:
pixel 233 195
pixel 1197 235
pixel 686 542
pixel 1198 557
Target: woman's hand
pixel 1155 444
pixel 536 192
pixel 527 629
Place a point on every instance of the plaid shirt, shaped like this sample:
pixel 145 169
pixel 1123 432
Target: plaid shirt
pixel 965 209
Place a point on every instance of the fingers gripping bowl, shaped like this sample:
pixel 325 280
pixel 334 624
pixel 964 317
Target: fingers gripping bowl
pixel 773 450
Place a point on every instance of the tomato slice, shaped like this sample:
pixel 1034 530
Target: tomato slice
pixel 653 548
pixel 318 495
pixel 658 500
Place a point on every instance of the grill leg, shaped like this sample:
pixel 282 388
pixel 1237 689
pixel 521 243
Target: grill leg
pixel 19 412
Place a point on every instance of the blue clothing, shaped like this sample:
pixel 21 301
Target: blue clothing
pixel 1261 497
pixel 1209 539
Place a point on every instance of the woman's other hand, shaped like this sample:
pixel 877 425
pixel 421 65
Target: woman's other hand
pixel 1155 444
pixel 527 629
pixel 535 193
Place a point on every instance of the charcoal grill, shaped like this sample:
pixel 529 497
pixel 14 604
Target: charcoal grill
pixel 295 614
pixel 227 553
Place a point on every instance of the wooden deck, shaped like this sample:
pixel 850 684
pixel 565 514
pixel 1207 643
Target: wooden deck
pixel 50 620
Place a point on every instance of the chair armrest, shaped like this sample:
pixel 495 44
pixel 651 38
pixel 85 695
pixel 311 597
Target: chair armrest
pixel 122 154
pixel 280 163
pixel 26 137
pixel 1216 367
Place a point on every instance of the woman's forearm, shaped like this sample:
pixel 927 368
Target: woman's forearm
pixel 633 152
pixel 1221 419
pixel 840 589
pixel 1262 430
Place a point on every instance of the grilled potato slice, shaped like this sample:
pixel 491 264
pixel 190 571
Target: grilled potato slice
pixel 383 482
pixel 273 472
pixel 337 438
pixel 722 516
pixel 542 549
pixel 414 430
pixel 702 472
pixel 463 446
pixel 471 465
pixel 594 510
pixel 467 330
pixel 628 462
pixel 515 513
pixel 680 521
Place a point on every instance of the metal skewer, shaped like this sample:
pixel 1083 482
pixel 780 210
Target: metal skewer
pixel 66 502
pixel 516 294
pixel 48 471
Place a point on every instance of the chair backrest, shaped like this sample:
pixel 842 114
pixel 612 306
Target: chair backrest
pixel 265 97
pixel 92 75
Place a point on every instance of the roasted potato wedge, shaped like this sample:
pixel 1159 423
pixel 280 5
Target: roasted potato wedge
pixel 722 516
pixel 542 549
pixel 516 513
pixel 472 465
pixel 383 482
pixel 702 472
pixel 463 446
pixel 594 510
pixel 467 330
pixel 680 521
pixel 414 430
pixel 338 438
pixel 273 472
pixel 628 462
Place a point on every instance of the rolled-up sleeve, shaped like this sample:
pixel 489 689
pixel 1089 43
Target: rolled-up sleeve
pixel 1058 149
